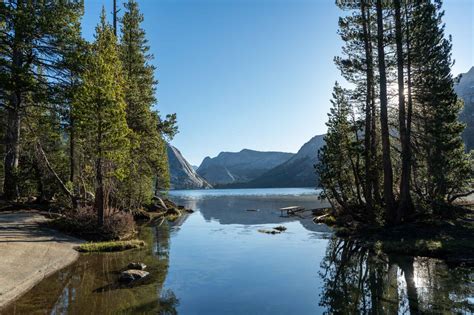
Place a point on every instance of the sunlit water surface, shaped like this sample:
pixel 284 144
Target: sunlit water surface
pixel 216 261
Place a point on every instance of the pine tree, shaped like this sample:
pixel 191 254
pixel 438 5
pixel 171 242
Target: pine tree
pixel 405 204
pixel 427 144
pixel 101 119
pixel 31 51
pixel 440 151
pixel 356 66
pixel 148 147
pixel 336 166
pixel 386 154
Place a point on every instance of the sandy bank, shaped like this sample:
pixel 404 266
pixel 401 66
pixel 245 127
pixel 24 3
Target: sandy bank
pixel 29 253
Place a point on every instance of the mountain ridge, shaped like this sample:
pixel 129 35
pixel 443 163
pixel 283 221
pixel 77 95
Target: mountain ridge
pixel 182 174
pixel 298 171
pixel 245 165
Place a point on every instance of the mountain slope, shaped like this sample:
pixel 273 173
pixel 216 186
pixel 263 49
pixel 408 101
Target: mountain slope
pixel 239 167
pixel 182 174
pixel 296 172
pixel 465 90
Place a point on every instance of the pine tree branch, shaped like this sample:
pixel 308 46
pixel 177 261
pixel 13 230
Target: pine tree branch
pixel 457 196
pixel 51 169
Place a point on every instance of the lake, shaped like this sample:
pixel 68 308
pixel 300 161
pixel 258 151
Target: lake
pixel 217 261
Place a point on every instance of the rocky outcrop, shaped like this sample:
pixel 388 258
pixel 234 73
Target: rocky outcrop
pixel 465 90
pixel 239 167
pixel 182 174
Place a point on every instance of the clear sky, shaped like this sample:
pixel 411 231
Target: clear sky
pixel 254 74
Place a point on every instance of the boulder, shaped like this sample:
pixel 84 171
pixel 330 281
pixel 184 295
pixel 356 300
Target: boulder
pixel 132 275
pixel 137 266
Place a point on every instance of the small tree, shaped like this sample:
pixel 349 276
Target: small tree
pixel 336 167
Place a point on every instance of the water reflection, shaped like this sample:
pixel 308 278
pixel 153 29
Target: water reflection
pixel 90 286
pixel 217 262
pixel 356 280
pixel 233 209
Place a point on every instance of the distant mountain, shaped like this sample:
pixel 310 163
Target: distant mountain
pixel 465 90
pixel 195 167
pixel 298 171
pixel 239 167
pixel 182 174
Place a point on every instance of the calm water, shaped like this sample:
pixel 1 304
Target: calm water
pixel 215 261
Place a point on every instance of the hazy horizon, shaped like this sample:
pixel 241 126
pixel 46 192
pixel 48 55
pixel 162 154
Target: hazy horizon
pixel 253 74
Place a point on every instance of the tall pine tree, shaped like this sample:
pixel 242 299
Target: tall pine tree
pixel 443 168
pixel 100 117
pixel 32 43
pixel 148 148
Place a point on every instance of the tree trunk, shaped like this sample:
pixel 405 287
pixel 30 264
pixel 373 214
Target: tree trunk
pixel 99 193
pixel 373 137
pixel 409 106
pixel 72 160
pixel 12 149
pixel 115 17
pixel 405 198
pixel 387 163
pixel 368 187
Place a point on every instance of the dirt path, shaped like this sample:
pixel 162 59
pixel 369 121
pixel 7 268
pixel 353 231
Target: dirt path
pixel 29 253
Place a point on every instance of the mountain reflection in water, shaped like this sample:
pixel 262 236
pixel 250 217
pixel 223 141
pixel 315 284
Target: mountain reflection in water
pixel 215 261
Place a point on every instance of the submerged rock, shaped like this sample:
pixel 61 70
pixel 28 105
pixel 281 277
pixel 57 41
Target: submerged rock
pixel 132 275
pixel 269 231
pixel 137 266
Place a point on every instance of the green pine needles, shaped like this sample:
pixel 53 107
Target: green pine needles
pixel 389 160
pixel 80 118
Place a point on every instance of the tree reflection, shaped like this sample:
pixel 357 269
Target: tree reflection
pixel 90 285
pixel 357 280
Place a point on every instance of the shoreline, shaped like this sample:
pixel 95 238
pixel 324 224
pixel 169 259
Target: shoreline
pixel 30 252
pixel 451 241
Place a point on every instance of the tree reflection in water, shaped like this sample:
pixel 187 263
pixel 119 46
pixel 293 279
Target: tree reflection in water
pixel 90 285
pixel 357 280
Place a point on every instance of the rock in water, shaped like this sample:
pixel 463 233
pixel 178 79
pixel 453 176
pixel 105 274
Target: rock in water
pixel 137 266
pixel 132 275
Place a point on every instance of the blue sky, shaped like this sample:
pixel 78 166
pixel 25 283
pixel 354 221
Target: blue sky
pixel 254 74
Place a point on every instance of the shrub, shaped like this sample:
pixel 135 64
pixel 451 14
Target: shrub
pixel 82 222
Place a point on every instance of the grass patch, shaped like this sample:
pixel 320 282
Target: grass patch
pixel 112 246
